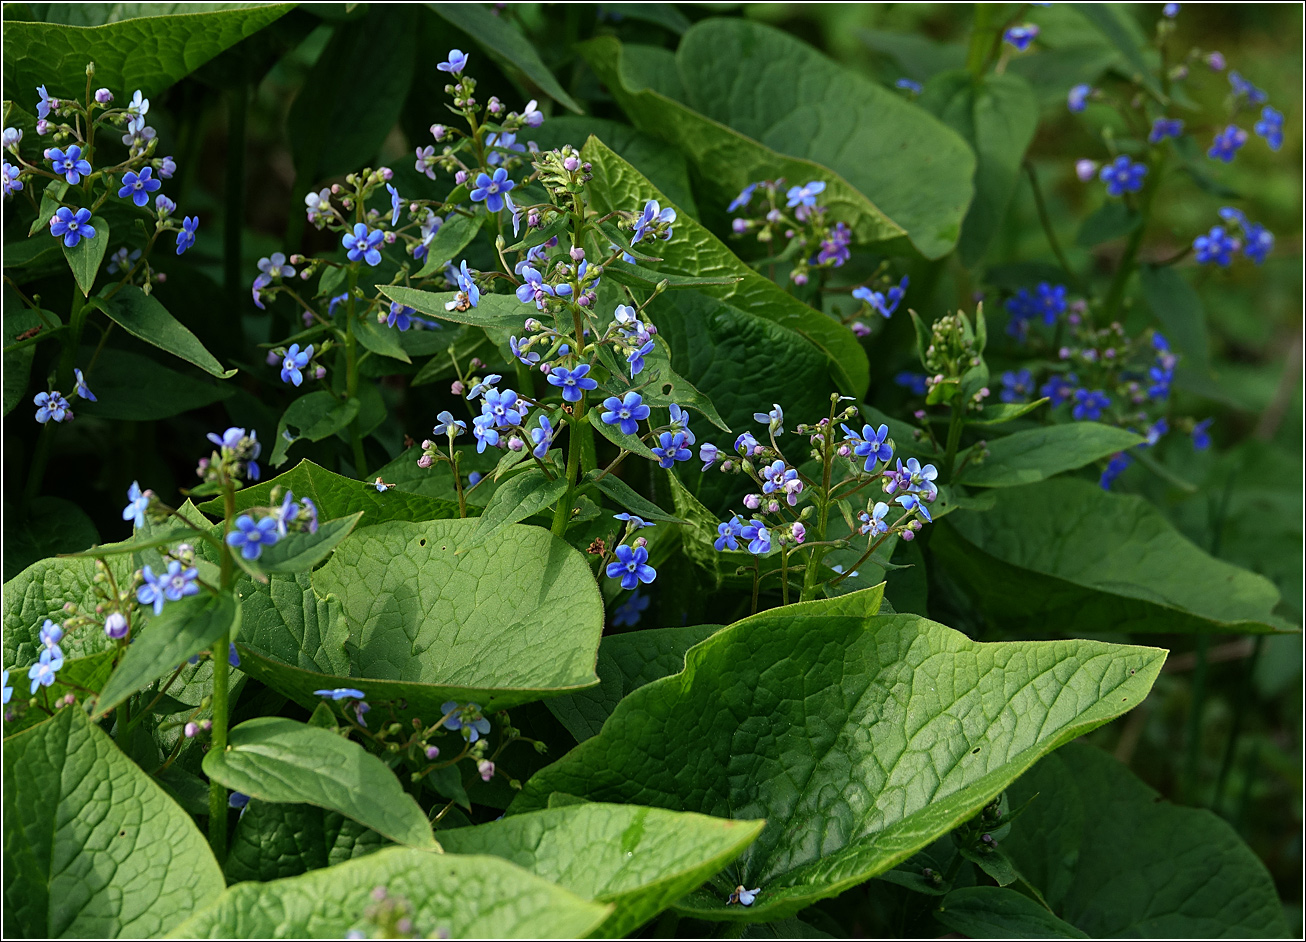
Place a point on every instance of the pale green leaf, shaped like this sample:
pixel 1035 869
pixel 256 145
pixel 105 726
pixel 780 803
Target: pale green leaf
pixel 85 257
pixel 1039 453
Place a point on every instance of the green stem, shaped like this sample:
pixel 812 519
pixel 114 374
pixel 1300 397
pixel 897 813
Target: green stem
pixel 1236 727
pixel 351 375
pixel 1128 262
pixel 954 439
pixel 1046 222
pixel 124 724
pixel 562 514
pixel 984 38
pixel 217 793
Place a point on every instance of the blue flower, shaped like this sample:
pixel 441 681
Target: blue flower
pixel 743 198
pixel 139 104
pixel 362 244
pixel 42 672
pixel 1077 100
pixel 1155 432
pixel 492 189
pixel 834 247
pixel 85 392
pixel 341 693
pixel 72 166
pixel 1226 143
pixel 138 502
pixel 448 425
pixel 1021 36
pixel 168 586
pixel 913 382
pixel 1089 404
pixel 636 358
pixel 1242 87
pixel 911 502
pixel 233 657
pixel 626 615
pixel 1016 385
pixel 507 142
pixel 636 522
pixel 534 288
pixel 396 201
pixel 186 236
pixel 773 420
pixel 399 317
pixel 1122 176
pixel 708 454
pixel 1201 438
pixel 1059 389
pixel 1270 127
pixel 45 104
pixel 456 62
pixel 1215 246
pixel 1170 10
pixel 251 535
pixel 51 634
pixel 1259 242
pixel 286 513
pixel 294 362
pixel 758 537
pixel 873 523
pixel 11 182
pixel 51 405
pixel 573 382
pixel 626 412
pixel 468 284
pixel 164 206
pixel 72 226
pixel 908 85
pixel 920 478
pixel 672 449
pixel 138 186
pixel 467 718
pixel 728 534
pixel 872 444
pixel 804 195
pixel 8 690
pixel 653 214
pixel 542 437
pixel 486 385
pixel 502 407
pixel 631 567
pixel 1114 468
pixel 879 301
pixel 238 800
pixel 1163 128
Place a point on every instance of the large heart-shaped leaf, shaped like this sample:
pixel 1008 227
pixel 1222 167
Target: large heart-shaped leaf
pixel 641 859
pixel 41 591
pixel 431 615
pixel 1116 861
pixel 1112 563
pixel 149 52
pixel 275 759
pixel 93 848
pixel 1039 453
pixel 273 841
pixel 461 897
pixel 859 738
pixel 694 251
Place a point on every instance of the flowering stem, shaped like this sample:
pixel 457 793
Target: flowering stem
pixel 351 374
pixel 954 439
pixel 217 793
pixel 984 38
pixel 1111 307
pixel 1046 221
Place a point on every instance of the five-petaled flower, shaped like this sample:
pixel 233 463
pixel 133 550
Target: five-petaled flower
pixel 138 502
pixel 572 381
pixel 492 189
pixel 168 586
pixel 1021 36
pixel 42 672
pixel 72 226
pixel 252 535
pixel 626 412
pixel 72 166
pixel 51 406
pixel 804 195
pixel 631 566
pixel 137 187
pixel 186 235
pixel 362 244
pixel 456 62
pixel 1123 175
pixel 653 216
pixel 292 366
pixel 671 448
pixel 1226 143
pixel 1089 404
pixel 467 718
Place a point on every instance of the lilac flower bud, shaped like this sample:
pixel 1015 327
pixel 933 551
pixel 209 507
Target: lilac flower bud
pixel 773 507
pixel 1216 61
pixel 908 535
pixel 206 725
pixel 425 461
pixel 844 451
pixel 641 541
pixel 477 363
pixel 494 104
pixel 192 730
pixel 800 278
pixel 577 253
pixel 571 163
pixel 586 300
pixel 460 177
pixel 43 127
pixel 432 753
pixel 800 532
pixel 390 238
pixel 274 358
pixel 115 626
pixel 516 444
pixel 319 372
pixel 103 96
pixel 438 131
pixel 740 226
pixel 457 388
pixel 753 501
pixel 1086 170
pixel 386 174
pixel 167 167
pixel 533 220
pixel 486 768
pixel 161 277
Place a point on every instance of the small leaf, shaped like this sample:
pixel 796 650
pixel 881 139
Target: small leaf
pixel 313 416
pixel 273 841
pixel 275 759
pixel 522 496
pixel 183 629
pixel 85 257
pixel 501 311
pixel 628 498
pixel 298 552
pixel 141 315
pixel 994 912
pixel 461 896
pixel 380 339
pixel 93 847
pixel 1039 453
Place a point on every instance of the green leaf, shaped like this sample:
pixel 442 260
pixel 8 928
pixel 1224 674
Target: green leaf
pixel 1000 413
pixel 640 859
pixel 85 257
pixel 183 629
pixel 141 315
pixel 614 434
pixel 51 199
pixel 1114 859
pixel 56 56
pixel 636 276
pixel 136 388
pixel 337 496
pixel 380 339
pixel 466 897
pixel 694 251
pixel 454 235
pixel 521 496
pixel 1038 453
pixel 699 534
pixel 298 552
pixel 997 117
pixel 275 759
pixel 1112 563
pixel 918 728
pixel 501 311
pixel 93 848
pixel 628 499
pixel 159 535
pixel 44 526
pixel 17 372
pixel 341 116
pixel 273 841
pixel 41 591
pixel 1178 307
pixel 431 618
pixel 33 256
pixel 1113 220
pixel 627 661
pixel 995 912
pixel 503 42
pixel 313 416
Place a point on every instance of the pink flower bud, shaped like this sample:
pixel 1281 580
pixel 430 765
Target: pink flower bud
pixel 432 753
pixel 577 253
pixel 641 541
pixel 844 451
pixel 752 501
pixel 386 174
pixel 460 177
pixel 273 358
pixel 477 363
pixel 516 444
pixel 800 532
pixel 425 461
pixel 192 730
pixel 457 388
pixel 486 768
pixel 103 96
pixel 773 507
pixel 571 163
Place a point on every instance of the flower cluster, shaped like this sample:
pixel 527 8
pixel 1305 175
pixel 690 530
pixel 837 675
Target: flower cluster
pixel 53 406
pixel 815 242
pixel 236 457
pixel 1224 241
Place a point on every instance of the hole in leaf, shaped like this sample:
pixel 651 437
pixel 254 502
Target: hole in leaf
pixel 422 541
pixel 667 388
pixel 975 751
